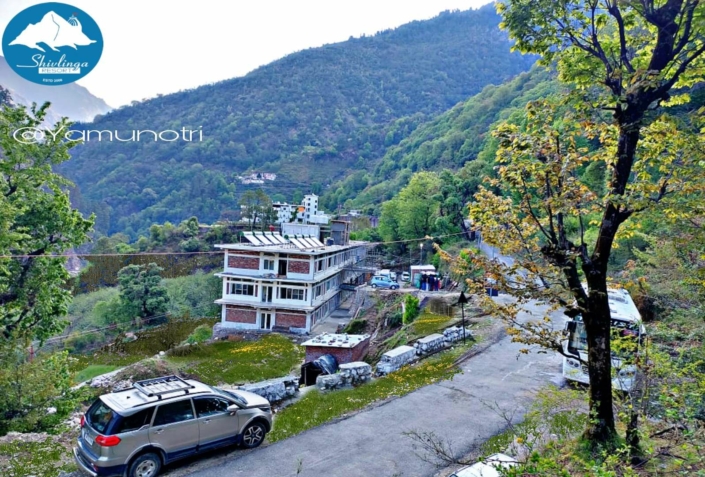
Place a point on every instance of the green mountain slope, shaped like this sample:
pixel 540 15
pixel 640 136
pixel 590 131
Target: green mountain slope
pixel 311 117
pixel 445 142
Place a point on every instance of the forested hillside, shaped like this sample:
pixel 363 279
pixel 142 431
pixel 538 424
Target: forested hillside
pixel 311 117
pixel 448 141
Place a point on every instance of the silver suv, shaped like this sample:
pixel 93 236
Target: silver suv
pixel 135 432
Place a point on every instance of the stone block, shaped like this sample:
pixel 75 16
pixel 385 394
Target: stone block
pixel 395 359
pixel 274 390
pixel 430 344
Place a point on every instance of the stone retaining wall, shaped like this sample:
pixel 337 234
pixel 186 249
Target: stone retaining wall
pixel 350 374
pixel 274 390
pixel 455 333
pixel 430 344
pixel 395 359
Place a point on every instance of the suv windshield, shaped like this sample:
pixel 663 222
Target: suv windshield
pixel 241 401
pixel 99 416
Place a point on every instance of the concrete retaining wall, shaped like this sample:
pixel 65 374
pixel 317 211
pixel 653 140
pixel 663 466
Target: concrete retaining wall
pixel 395 359
pixel 274 390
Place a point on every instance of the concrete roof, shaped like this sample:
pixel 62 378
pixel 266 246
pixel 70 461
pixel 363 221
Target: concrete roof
pixel 332 340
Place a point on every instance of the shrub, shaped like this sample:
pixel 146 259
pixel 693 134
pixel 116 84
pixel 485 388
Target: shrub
pixel 29 387
pixel 200 334
pixel 411 309
pixel 395 319
pixel 355 327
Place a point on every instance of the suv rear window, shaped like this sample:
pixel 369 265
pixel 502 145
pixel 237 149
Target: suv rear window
pixel 134 422
pixel 99 416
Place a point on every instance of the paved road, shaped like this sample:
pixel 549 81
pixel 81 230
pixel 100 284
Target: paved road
pixel 371 443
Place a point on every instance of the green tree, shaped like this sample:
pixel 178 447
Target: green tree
pixel 37 223
pixel 412 214
pixel 411 309
pixel 627 57
pixel 545 214
pixel 189 228
pixel 142 291
pixel 257 207
pixel 28 387
pixel 455 193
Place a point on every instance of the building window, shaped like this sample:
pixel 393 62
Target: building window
pixel 292 294
pixel 242 289
pixel 268 264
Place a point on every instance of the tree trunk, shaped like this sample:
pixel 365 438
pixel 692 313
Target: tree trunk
pixel 601 429
pixel 632 436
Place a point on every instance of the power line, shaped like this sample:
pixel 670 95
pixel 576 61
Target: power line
pixel 214 252
pixel 110 327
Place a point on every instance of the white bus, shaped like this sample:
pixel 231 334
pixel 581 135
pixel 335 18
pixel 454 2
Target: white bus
pixel 626 322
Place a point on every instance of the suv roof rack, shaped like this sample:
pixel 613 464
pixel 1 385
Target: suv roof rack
pixel 161 386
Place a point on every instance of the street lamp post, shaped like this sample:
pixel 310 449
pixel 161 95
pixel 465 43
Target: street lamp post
pixel 462 300
pixel 421 252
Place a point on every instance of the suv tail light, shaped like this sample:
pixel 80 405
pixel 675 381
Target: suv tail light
pixel 107 441
pixel 83 420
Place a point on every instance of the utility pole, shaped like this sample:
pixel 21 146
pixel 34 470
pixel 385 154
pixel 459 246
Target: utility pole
pixel 462 300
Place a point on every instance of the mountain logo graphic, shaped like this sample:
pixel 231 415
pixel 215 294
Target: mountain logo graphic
pixel 52 44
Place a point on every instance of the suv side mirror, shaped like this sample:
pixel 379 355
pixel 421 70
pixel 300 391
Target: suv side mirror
pixel 233 408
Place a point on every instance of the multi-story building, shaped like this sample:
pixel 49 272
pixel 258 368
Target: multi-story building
pixel 285 212
pixel 291 284
pixel 309 213
pixel 306 213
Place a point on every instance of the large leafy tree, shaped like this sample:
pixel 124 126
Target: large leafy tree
pixel 37 225
pixel 627 57
pixel 413 212
pixel 142 291
pixel 257 207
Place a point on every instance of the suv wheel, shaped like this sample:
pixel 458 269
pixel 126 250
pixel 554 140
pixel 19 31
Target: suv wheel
pixel 253 435
pixel 146 465
pixel 374 285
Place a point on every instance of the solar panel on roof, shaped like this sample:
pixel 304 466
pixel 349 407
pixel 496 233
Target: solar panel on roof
pixel 266 240
pixel 300 244
pixel 281 240
pixel 308 242
pixel 317 242
pixel 252 239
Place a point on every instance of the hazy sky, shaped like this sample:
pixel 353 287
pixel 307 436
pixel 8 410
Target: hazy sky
pixel 162 46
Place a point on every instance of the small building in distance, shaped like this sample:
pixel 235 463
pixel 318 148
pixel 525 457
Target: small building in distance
pixel 420 270
pixel 346 348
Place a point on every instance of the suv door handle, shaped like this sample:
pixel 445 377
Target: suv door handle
pixel 159 431
pixel 206 421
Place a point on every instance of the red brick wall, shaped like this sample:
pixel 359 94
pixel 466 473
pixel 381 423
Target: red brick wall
pixel 360 351
pixel 299 267
pixel 240 315
pixel 343 355
pixel 298 257
pixel 287 320
pixel 249 263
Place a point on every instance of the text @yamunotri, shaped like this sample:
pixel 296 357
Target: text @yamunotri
pixel 34 135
